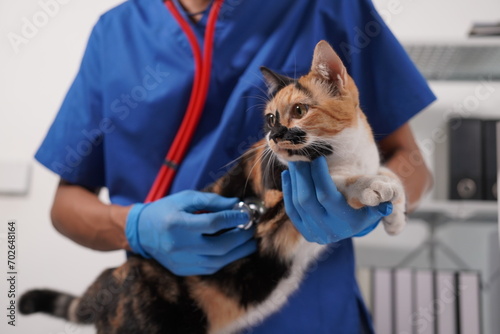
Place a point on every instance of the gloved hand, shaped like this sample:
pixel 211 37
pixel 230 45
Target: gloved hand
pixel 170 231
pixel 318 210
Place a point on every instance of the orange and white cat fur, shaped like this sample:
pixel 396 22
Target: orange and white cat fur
pixel 334 116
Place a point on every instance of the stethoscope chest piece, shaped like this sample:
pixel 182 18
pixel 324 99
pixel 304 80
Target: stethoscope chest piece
pixel 255 209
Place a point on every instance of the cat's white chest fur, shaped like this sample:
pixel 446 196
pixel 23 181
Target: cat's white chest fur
pixel 356 171
pixel 354 152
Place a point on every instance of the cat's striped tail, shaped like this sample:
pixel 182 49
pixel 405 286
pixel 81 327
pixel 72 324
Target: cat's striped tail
pixel 54 303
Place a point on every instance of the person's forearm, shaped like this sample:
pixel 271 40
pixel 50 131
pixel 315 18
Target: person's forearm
pixel 402 155
pixel 416 178
pixel 78 214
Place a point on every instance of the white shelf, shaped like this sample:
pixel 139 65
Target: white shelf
pixel 459 210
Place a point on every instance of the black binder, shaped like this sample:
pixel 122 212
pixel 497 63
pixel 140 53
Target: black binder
pixel 489 160
pixel 466 167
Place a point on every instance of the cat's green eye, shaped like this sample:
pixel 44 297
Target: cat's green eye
pixel 299 110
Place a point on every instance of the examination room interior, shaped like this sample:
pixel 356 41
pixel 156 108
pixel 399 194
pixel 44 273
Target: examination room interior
pixel 452 236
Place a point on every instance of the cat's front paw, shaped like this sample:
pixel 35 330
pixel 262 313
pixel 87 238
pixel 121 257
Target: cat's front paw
pixel 376 189
pixel 373 190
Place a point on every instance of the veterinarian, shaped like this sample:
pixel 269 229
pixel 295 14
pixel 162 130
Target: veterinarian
pixel 127 102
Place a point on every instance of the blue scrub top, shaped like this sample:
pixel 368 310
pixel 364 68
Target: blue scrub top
pixel 129 96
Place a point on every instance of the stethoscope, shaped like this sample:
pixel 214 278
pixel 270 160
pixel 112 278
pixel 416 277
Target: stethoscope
pixel 198 97
pixel 197 100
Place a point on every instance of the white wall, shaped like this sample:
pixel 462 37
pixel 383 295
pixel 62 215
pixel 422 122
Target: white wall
pixel 436 19
pixel 33 82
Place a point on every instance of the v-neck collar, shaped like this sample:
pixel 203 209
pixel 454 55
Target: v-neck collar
pixel 161 17
pixel 202 22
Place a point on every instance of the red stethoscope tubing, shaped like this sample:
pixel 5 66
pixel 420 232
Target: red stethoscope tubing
pixel 197 99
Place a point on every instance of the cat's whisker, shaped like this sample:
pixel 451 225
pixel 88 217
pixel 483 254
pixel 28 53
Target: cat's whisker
pixel 316 139
pixel 245 154
pixel 270 161
pixel 264 99
pixel 259 106
pixel 313 147
pixel 254 148
pixel 261 79
pixel 258 161
pixel 269 157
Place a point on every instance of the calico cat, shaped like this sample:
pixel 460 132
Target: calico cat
pixel 315 115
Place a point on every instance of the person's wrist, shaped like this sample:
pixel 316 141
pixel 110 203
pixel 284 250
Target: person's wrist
pixel 118 217
pixel 132 229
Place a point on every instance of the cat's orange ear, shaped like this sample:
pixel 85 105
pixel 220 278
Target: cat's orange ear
pixel 328 65
pixel 274 81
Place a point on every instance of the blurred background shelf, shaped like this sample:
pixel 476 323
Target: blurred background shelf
pixel 465 60
pixel 459 210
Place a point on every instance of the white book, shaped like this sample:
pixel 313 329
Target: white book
pixel 469 303
pixel 382 301
pixel 445 303
pixel 423 321
pixel 403 299
pixel 492 300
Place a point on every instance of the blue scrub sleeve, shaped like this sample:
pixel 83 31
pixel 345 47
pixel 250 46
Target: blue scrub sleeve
pixel 392 89
pixel 73 147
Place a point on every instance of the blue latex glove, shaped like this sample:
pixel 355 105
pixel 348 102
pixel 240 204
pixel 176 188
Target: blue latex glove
pixel 318 210
pixel 170 231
